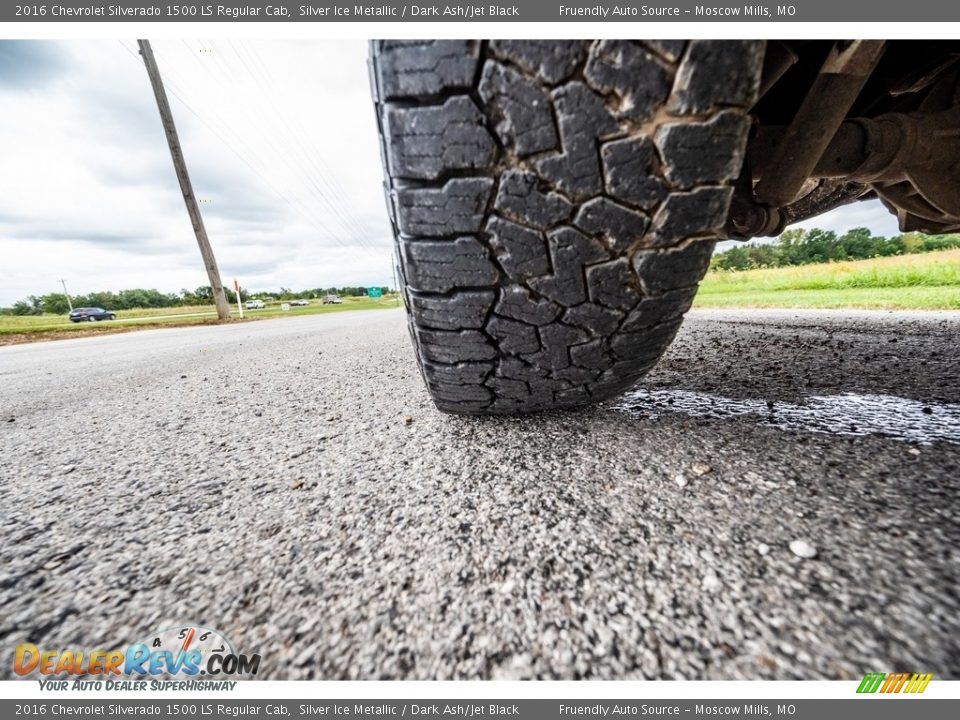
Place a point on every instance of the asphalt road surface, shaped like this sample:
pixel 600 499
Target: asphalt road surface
pixel 779 500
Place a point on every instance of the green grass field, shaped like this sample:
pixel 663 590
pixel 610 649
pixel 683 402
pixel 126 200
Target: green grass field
pixel 14 328
pixel 928 281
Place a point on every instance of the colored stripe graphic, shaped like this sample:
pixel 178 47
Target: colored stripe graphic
pixel 894 682
pixel 920 684
pixel 871 682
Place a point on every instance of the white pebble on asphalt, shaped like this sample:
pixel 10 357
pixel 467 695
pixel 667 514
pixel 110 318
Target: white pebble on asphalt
pixel 803 549
pixel 681 481
pixel 763 549
pixel 711 583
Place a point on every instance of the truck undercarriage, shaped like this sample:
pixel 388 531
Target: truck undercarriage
pixel 838 122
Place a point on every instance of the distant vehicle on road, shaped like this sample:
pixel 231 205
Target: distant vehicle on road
pixel 332 300
pixel 255 305
pixel 299 303
pixel 90 314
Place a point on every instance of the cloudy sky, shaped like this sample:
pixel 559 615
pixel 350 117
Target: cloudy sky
pixel 281 144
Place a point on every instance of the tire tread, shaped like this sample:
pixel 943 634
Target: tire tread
pixel 555 204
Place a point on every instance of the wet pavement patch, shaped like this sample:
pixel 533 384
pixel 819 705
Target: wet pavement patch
pixel 845 414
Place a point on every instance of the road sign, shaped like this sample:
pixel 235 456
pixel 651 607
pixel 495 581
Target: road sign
pixel 374 292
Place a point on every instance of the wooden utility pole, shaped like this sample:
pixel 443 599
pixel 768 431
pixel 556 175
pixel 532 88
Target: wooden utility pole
pixel 176 152
pixel 69 302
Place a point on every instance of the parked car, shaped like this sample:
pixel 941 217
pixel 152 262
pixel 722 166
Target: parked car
pixel 90 314
pixel 299 303
pixel 332 300
pixel 548 261
pixel 255 305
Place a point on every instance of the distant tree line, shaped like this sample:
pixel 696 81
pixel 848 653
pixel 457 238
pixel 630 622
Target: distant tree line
pixel 56 303
pixel 288 294
pixel 802 247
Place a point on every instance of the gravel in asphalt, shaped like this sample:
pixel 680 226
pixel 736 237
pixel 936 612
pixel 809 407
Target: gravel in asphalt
pixel 290 484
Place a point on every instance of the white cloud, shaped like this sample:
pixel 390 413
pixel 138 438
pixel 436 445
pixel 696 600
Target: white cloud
pixel 280 139
pixel 281 142
pixel 869 214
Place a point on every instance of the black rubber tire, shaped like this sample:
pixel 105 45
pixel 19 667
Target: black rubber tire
pixel 555 204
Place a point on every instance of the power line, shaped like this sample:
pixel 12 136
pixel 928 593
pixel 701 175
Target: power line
pixel 321 227
pixel 183 177
pixel 295 157
pixel 251 152
pixel 307 153
pixel 314 155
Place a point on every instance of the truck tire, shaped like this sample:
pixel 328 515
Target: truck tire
pixel 554 205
